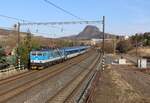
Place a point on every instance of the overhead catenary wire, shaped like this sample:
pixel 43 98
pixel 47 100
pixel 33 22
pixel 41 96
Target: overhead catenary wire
pixel 62 9
pixel 61 23
pixel 20 21
pixel 14 18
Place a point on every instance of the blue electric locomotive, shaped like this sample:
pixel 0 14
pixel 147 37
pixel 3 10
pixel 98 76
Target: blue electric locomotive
pixel 46 57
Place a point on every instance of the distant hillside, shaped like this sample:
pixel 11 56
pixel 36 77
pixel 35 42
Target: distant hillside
pixel 90 32
pixel 8 38
pixel 4 32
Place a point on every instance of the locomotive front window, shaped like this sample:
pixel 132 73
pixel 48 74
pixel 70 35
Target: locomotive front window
pixel 39 54
pixel 33 54
pixel 44 54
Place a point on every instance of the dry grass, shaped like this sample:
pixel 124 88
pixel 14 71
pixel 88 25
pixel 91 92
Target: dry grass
pixel 114 88
pixel 141 51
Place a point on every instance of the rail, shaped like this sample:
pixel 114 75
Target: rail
pixel 87 94
pixel 65 94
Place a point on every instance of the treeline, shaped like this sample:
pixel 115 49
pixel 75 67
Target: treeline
pixel 141 38
pixel 122 45
pixel 28 44
pixel 2 54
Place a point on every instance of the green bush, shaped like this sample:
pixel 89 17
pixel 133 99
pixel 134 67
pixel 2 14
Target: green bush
pixel 123 46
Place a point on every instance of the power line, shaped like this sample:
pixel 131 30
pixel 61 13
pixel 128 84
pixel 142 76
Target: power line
pixel 58 7
pixel 13 18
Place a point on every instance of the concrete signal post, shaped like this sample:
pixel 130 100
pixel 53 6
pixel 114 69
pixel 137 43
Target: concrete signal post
pixel 103 46
pixel 18 54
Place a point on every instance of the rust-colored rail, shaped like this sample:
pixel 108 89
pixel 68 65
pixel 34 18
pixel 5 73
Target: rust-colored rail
pixel 90 94
pixel 88 78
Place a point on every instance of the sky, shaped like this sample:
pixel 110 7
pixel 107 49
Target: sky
pixel 123 17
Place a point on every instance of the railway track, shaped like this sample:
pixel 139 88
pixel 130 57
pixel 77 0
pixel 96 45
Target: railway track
pixel 15 77
pixel 7 94
pixel 81 91
pixel 66 94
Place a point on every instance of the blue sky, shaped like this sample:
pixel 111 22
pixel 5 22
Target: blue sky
pixel 124 17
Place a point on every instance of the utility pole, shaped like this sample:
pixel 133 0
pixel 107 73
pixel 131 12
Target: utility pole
pixel 103 35
pixel 18 54
pixel 114 45
pixel 103 59
pixel 29 47
pixel 137 48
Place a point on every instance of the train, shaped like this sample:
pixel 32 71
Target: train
pixel 43 58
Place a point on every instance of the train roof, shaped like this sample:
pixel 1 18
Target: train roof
pixel 42 50
pixel 64 48
pixel 74 48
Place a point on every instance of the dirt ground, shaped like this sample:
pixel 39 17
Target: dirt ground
pixel 145 51
pixel 123 84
